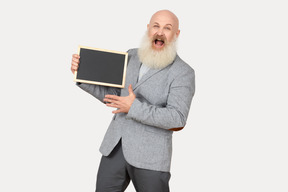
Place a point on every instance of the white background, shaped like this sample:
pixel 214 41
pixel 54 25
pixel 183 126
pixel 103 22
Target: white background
pixel 236 134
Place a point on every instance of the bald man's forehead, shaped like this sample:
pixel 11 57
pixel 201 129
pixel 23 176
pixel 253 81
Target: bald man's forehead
pixel 165 17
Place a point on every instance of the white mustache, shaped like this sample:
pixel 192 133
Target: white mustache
pixel 160 38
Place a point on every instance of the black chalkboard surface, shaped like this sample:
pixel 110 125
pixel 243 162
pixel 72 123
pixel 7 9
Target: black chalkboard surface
pixel 101 67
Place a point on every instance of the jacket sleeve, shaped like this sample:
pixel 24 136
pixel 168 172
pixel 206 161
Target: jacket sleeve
pixel 175 113
pixel 98 91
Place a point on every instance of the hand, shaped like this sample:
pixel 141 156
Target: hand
pixel 122 103
pixel 75 63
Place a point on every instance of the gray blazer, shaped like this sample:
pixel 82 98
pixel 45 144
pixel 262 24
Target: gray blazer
pixel 163 99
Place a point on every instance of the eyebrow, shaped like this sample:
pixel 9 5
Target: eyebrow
pixel 165 25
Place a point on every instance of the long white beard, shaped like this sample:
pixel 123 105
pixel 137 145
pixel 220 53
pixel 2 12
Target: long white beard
pixel 157 59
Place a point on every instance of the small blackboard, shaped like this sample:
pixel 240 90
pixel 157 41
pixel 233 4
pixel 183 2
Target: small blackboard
pixel 101 67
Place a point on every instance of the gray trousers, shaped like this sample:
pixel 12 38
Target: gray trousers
pixel 114 175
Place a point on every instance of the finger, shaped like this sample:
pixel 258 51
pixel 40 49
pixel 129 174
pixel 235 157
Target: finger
pixel 75 64
pixel 111 101
pixel 117 111
pixel 76 56
pixel 114 97
pixel 73 70
pixel 74 67
pixel 76 60
pixel 112 105
pixel 130 90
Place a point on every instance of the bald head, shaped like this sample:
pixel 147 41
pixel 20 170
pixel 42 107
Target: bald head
pixel 168 15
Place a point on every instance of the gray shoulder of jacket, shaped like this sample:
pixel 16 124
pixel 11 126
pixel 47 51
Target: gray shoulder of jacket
pixel 181 67
pixel 132 51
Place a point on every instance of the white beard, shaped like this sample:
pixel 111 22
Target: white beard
pixel 157 59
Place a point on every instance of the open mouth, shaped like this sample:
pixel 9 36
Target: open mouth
pixel 159 43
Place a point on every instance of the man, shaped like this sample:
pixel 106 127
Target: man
pixel 154 103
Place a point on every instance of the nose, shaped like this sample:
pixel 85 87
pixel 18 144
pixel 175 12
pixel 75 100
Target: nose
pixel 160 32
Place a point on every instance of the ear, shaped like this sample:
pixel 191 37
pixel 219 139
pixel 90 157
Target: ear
pixel 178 33
pixel 147 26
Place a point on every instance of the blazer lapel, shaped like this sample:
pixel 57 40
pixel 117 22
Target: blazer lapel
pixel 146 76
pixel 134 70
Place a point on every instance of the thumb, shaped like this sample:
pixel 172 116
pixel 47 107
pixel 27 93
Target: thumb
pixel 130 90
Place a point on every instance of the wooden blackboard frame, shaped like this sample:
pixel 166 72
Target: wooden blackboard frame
pixel 88 66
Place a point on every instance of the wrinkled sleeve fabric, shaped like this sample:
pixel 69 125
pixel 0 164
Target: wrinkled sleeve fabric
pixel 98 91
pixel 175 113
